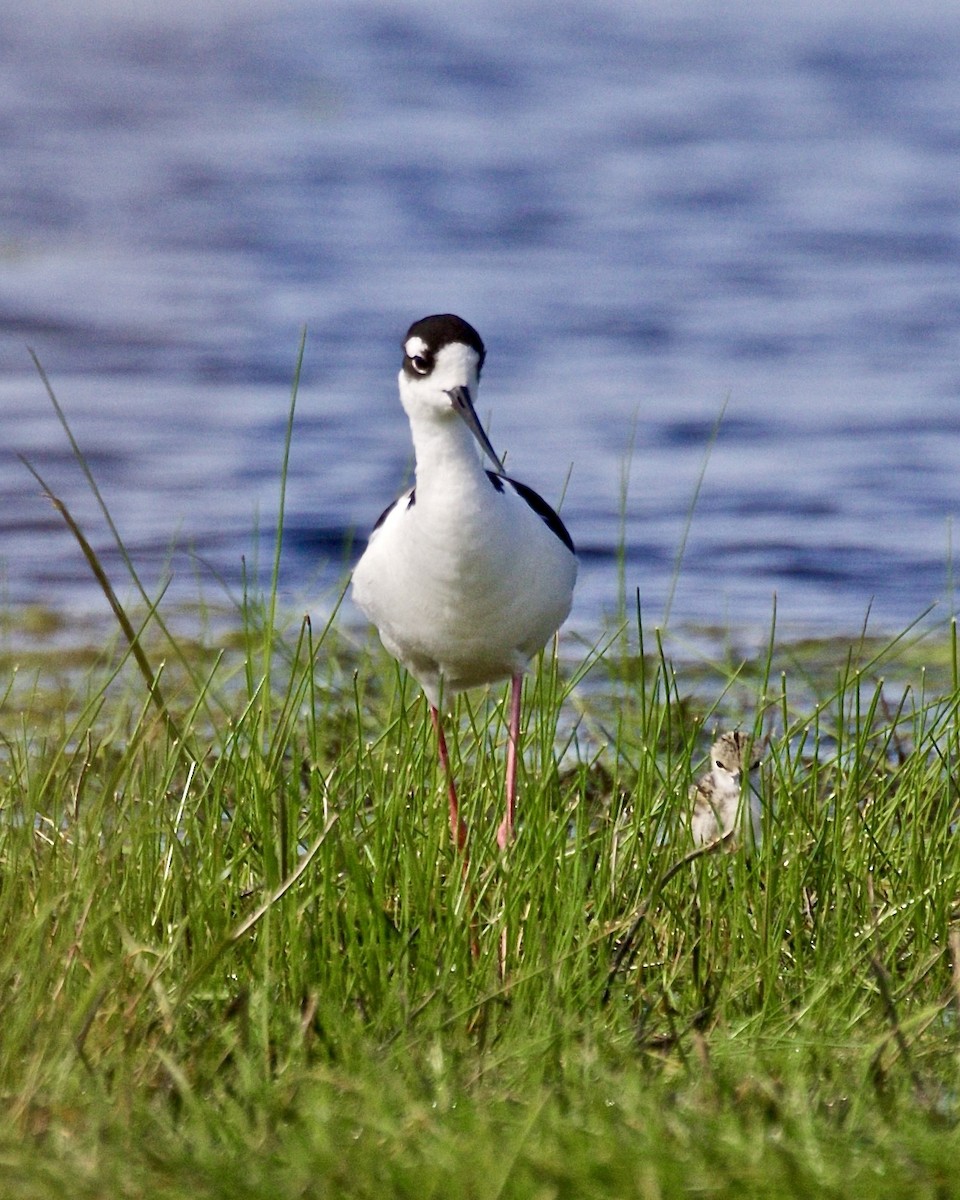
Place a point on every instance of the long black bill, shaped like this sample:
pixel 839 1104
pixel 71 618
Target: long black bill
pixel 460 397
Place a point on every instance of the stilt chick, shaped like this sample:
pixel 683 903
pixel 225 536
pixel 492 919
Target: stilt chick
pixel 719 802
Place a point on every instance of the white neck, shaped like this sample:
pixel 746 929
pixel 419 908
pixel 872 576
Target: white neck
pixel 447 454
pixel 726 785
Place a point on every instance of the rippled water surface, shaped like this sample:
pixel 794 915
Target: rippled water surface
pixel 652 214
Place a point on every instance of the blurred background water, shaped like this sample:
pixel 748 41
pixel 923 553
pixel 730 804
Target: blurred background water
pixel 653 213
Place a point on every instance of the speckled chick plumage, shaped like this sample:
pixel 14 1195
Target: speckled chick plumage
pixel 721 804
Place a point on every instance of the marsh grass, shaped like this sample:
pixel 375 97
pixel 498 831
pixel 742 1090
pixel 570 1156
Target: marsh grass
pixel 235 941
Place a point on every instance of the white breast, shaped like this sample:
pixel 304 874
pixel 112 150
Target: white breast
pixel 466 586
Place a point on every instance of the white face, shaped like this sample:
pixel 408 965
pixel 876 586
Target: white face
pixel 441 386
pixel 725 779
pixel 427 378
pixel 415 349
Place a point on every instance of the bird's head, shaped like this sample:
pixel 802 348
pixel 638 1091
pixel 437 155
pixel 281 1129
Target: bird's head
pixel 732 757
pixel 442 360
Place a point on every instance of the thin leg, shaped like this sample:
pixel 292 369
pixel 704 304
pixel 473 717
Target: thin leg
pixel 458 830
pixel 505 832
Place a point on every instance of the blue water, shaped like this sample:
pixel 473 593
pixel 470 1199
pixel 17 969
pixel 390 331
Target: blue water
pixel 653 214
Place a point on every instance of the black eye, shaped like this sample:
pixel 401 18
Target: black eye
pixel 719 763
pixel 420 364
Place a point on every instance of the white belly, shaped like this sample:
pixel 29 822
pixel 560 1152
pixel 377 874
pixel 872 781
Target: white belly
pixel 468 600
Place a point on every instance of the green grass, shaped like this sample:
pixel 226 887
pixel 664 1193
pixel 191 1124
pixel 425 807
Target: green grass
pixel 239 956
pixel 235 948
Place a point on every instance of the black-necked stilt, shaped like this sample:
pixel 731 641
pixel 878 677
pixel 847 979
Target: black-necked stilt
pixel 469 573
pixel 719 805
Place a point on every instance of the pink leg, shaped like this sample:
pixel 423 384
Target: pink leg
pixel 505 832
pixel 458 830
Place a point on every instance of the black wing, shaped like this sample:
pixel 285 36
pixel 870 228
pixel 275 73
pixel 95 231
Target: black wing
pixel 411 499
pixel 538 504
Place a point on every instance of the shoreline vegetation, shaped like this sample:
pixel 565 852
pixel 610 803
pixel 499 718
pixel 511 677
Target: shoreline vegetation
pixel 235 943
pixel 240 958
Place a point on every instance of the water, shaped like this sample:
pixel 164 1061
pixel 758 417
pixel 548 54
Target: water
pixel 652 213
